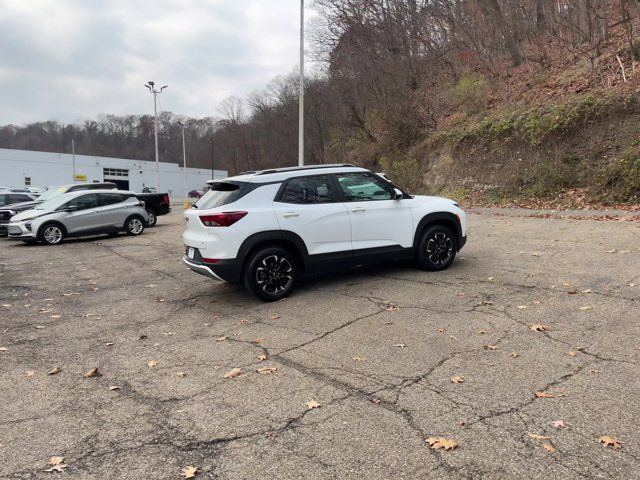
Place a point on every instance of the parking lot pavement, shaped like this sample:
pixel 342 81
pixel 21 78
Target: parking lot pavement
pixel 377 349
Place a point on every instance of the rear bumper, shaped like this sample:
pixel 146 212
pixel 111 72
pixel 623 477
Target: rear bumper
pixel 201 269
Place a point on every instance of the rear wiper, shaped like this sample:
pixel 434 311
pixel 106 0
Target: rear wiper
pixel 194 206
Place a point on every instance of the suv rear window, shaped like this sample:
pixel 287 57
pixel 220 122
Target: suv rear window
pixel 221 193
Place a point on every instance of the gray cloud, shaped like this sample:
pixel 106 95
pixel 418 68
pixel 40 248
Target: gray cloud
pixel 73 59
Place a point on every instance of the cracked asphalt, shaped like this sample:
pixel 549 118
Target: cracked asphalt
pixel 376 347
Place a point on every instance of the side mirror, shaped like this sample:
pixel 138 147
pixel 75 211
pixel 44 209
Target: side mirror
pixel 398 194
pixel 70 209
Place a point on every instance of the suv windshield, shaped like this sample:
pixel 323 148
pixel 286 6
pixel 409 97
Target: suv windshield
pixel 221 193
pixel 53 193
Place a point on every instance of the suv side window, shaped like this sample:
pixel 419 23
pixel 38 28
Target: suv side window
pixel 105 199
pixel 305 190
pixel 83 202
pixel 363 187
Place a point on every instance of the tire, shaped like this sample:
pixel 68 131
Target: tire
pixel 437 248
pixel 134 225
pixel 270 262
pixel 51 234
pixel 153 218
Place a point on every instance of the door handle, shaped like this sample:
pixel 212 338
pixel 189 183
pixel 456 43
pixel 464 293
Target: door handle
pixel 290 214
pixel 358 209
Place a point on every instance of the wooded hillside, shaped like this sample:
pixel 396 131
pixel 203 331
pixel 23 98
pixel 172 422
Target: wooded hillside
pixel 484 99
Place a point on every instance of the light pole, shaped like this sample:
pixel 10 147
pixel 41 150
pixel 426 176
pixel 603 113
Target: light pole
pixel 152 89
pixel 73 157
pixel 184 162
pixel 213 173
pixel 301 91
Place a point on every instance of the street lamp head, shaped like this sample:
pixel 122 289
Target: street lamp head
pixel 151 83
pixel 164 87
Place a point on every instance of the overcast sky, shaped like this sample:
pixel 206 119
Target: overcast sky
pixel 69 60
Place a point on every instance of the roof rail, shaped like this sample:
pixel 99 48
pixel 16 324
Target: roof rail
pixel 308 167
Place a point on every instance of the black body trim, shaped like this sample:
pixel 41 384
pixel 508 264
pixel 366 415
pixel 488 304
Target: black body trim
pixel 440 216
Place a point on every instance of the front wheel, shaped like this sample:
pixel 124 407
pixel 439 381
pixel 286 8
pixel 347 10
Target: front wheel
pixel 51 234
pixel 271 273
pixel 152 218
pixel 437 248
pixel 134 225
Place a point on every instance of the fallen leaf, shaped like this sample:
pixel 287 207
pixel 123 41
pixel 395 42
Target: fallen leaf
pixel 457 379
pixel 94 372
pixel 514 354
pixel 313 404
pixel 400 345
pixel 30 373
pixel 608 441
pixel 6 305
pixel 522 307
pixel 558 423
pixel 441 330
pixel 55 371
pixel 593 370
pixel 109 344
pixel 549 448
pixel 55 316
pixel 161 300
pixel 233 373
pixel 152 363
pixel 168 334
pixel 39 327
pixel 538 328
pixel 56 460
pixel 483 332
pixel 190 472
pixel 274 317
pixel 4 349
pixel 490 279
pixel 375 400
pixel 359 359
pixel 256 341
pixel 486 302
pixel 57 468
pixel 181 374
pixel 544 395
pixel 267 370
pixel 271 434
pixel 392 308
pixel 113 388
pixel 440 442
pixel 588 290
pixel 572 292
pixel 490 347
pixel 612 251
pixel 221 339
pixel 584 309
pixel 262 357
pixel 535 436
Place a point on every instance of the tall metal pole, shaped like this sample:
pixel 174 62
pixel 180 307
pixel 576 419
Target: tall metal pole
pixel 184 164
pixel 73 156
pixel 155 132
pixel 301 91
pixel 213 173
pixel 151 86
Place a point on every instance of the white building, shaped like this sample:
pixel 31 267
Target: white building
pixel 20 168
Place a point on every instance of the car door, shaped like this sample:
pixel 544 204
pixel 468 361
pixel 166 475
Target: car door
pixel 378 220
pixel 82 214
pixel 310 207
pixel 114 209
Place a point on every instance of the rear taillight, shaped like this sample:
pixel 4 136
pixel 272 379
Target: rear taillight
pixel 221 219
pixel 165 199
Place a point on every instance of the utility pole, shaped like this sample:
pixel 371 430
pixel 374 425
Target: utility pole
pixel 73 157
pixel 184 162
pixel 301 91
pixel 151 86
pixel 213 173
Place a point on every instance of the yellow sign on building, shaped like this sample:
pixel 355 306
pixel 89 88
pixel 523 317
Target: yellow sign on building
pixel 80 178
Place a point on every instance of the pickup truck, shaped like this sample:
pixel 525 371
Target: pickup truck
pixel 156 204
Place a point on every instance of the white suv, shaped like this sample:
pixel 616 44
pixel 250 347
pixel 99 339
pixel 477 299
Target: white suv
pixel 268 228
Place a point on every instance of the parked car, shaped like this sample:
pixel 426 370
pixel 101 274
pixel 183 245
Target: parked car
pixel 157 204
pixel 80 214
pixel 7 213
pixel 196 194
pixel 7 199
pixel 266 229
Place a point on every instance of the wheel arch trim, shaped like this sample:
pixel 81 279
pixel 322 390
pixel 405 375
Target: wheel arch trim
pixel 438 217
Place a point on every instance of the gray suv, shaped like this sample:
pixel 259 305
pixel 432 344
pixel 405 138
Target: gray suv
pixel 79 214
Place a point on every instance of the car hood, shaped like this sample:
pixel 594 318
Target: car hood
pixel 28 215
pixel 22 206
pixel 428 199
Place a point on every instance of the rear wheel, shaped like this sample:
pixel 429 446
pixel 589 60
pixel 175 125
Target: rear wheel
pixel 134 225
pixel 51 234
pixel 437 248
pixel 271 273
pixel 152 218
